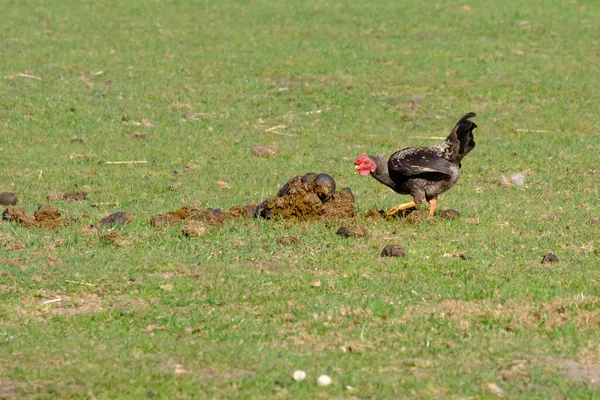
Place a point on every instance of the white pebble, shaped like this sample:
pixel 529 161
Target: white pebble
pixel 323 380
pixel 518 179
pixel 299 376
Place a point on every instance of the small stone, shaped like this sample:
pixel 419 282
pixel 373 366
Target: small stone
pixel 299 376
pixel 315 284
pixel 323 381
pixel 174 186
pixel 392 250
pixel 352 231
pixel 549 258
pixel 449 214
pixel 8 199
pixel 114 219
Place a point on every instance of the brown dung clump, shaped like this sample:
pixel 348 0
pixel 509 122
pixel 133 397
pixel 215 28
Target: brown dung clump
pixel 46 217
pixel 309 197
pixel 18 215
pixel 211 216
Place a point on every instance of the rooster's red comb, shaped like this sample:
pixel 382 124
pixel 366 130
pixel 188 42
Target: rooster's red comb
pixel 360 158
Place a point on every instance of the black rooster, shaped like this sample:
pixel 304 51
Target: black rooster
pixel 422 172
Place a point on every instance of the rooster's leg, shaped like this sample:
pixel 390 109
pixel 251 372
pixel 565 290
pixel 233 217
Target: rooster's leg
pixel 401 207
pixel 432 203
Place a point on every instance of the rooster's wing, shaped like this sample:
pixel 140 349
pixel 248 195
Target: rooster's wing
pixel 415 161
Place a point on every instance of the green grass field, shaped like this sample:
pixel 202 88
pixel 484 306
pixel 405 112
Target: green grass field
pixel 191 87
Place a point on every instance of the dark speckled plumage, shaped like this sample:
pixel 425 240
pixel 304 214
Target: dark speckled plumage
pixel 426 172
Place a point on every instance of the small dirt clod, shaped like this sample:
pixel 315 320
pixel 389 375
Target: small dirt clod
pixel 75 196
pixel 549 258
pixel 393 250
pixel 174 186
pixel 263 151
pixel 8 199
pixel 352 231
pixel 449 214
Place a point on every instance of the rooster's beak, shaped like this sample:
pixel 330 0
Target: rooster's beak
pixel 356 167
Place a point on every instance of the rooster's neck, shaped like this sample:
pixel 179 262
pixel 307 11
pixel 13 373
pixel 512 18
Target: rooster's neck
pixel 382 173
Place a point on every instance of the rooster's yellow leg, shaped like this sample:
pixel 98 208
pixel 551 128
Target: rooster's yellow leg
pixel 432 204
pixel 401 207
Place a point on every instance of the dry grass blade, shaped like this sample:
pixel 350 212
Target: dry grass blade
pixel 29 76
pixel 533 131
pixel 126 162
pixel 79 283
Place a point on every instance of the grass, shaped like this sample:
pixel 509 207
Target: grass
pixel 233 314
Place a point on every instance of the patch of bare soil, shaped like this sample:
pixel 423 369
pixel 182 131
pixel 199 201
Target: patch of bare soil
pixel 9 243
pixel 78 195
pixel 46 217
pixel 576 370
pixel 510 315
pixel 75 196
pixel 209 216
pixel 10 390
pixel 309 197
pixel 264 151
pixel 115 238
pixel 288 240
pixel 62 304
pixel 8 283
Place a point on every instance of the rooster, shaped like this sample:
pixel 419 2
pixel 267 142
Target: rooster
pixel 422 172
